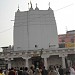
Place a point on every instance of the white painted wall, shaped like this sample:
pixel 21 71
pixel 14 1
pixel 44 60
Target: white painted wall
pixel 35 27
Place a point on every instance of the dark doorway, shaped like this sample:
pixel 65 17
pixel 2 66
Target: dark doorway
pixel 37 61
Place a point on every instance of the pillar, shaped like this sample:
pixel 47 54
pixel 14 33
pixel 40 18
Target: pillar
pixel 63 56
pixel 45 56
pixel 45 62
pixel 9 64
pixel 63 62
pixel 69 63
pixel 26 62
pixel 26 58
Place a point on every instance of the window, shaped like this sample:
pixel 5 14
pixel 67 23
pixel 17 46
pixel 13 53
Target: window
pixel 35 46
pixel 72 40
pixel 63 40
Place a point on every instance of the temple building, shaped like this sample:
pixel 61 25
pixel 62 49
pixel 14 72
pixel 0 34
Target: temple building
pixel 35 29
pixel 36 42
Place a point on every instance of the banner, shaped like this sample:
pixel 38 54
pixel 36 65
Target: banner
pixel 69 44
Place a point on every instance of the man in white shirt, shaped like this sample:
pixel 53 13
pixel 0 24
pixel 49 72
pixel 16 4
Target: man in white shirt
pixel 72 70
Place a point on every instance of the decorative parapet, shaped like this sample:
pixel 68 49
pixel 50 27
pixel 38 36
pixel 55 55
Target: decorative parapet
pixel 30 53
pixel 62 55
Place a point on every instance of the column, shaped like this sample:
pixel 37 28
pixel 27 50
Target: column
pixel 69 63
pixel 9 64
pixel 26 62
pixel 45 62
pixel 63 62
pixel 45 56
pixel 26 58
pixel 63 56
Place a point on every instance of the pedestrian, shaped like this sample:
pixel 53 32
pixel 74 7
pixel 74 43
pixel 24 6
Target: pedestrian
pixel 61 72
pixel 31 71
pixel 11 72
pixel 20 72
pixel 72 70
pixel 52 72
pixel 1 72
pixel 25 72
pixel 57 70
pixel 44 71
pixel 36 71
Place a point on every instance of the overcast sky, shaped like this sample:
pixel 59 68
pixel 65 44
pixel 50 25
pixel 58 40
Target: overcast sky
pixel 64 11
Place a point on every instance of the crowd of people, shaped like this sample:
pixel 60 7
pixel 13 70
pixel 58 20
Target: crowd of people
pixel 53 70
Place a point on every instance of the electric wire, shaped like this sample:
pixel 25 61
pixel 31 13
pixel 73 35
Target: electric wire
pixel 37 17
pixel 5 30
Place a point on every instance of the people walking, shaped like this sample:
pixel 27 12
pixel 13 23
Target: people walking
pixel 25 72
pixel 20 72
pixel 38 71
pixel 11 72
pixel 44 71
pixel 52 72
pixel 1 73
pixel 72 70
pixel 61 70
pixel 31 71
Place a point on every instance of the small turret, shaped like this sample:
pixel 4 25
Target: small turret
pixel 31 8
pixel 49 6
pixel 18 9
pixel 36 7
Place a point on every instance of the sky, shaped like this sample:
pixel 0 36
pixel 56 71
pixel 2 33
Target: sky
pixel 64 11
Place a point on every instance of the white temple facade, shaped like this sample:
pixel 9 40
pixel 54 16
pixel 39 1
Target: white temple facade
pixel 35 29
pixel 36 41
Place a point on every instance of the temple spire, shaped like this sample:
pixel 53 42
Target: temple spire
pixel 31 8
pixel 31 4
pixel 18 8
pixel 28 6
pixel 49 4
pixel 36 7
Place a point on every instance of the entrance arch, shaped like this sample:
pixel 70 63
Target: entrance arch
pixel 37 61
